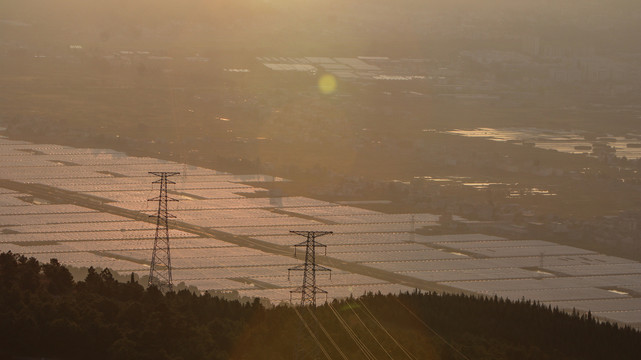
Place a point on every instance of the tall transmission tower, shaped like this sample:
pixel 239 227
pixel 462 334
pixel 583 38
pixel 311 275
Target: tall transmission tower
pixel 160 271
pixel 309 289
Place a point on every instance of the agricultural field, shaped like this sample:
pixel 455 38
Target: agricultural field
pixel 89 207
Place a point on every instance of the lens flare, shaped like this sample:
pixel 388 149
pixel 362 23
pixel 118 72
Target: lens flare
pixel 327 84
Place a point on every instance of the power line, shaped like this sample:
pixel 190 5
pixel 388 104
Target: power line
pixel 160 269
pixel 368 354
pixel 371 315
pixel 430 329
pixel 311 333
pixel 370 332
pixel 309 289
pixel 327 334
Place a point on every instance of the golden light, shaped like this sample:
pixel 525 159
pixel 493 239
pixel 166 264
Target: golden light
pixel 327 84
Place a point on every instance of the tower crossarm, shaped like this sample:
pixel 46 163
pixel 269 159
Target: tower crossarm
pixel 164 173
pixel 314 233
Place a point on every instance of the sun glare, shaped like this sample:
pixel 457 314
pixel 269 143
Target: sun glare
pixel 327 84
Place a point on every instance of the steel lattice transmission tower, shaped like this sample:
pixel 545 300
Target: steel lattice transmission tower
pixel 309 289
pixel 160 271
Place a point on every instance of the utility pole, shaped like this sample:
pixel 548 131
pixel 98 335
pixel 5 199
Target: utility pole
pixel 160 270
pixel 309 289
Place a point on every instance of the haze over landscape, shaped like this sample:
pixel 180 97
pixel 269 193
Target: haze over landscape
pixel 459 153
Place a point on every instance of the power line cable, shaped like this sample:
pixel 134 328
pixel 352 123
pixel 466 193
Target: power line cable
pixel 368 354
pixel 311 333
pixel 431 329
pixel 370 332
pixel 327 335
pixel 371 315
pixel 352 334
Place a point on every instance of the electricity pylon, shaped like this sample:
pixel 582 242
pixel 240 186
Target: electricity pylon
pixel 160 270
pixel 309 289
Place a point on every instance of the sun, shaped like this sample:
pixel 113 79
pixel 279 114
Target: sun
pixel 327 84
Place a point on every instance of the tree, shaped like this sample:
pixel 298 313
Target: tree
pixel 59 278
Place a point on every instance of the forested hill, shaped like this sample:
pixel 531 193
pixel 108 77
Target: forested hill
pixel 44 313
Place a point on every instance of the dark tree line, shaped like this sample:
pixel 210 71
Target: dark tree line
pixel 44 313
